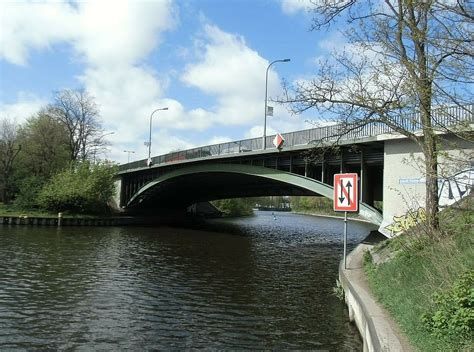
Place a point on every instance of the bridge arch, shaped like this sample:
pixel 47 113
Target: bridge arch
pixel 204 182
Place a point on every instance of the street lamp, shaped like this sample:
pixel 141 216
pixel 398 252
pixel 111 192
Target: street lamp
pixel 129 152
pixel 264 139
pixel 149 139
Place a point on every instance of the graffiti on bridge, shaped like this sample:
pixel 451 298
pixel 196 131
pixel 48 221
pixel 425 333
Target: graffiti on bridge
pixel 402 223
pixel 454 188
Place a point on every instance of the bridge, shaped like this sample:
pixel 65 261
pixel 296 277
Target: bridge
pixel 386 162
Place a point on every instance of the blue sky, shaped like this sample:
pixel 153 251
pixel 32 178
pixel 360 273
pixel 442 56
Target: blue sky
pixel 204 59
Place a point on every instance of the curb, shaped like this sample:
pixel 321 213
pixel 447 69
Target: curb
pixel 378 330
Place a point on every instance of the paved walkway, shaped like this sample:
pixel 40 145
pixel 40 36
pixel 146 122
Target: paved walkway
pixel 379 331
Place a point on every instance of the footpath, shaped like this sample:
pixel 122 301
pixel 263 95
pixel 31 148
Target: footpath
pixel 378 330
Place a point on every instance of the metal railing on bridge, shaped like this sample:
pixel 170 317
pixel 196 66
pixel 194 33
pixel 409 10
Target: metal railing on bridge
pixel 446 116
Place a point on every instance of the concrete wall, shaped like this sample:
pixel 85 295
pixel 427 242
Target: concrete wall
pixel 404 183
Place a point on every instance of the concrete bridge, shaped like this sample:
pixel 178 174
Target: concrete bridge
pixel 387 163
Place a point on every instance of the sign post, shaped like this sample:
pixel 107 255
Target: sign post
pixel 346 199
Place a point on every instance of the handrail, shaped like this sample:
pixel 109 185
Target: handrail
pixel 444 116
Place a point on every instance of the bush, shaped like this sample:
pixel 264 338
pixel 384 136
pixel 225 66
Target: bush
pixel 27 196
pixel 82 188
pixel 234 206
pixel 453 312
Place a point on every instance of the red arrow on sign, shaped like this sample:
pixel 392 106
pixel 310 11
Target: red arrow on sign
pixel 345 192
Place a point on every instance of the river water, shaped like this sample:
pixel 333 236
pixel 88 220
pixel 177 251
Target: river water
pixel 263 282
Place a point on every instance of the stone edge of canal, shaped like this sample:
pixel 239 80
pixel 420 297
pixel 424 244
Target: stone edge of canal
pixel 378 330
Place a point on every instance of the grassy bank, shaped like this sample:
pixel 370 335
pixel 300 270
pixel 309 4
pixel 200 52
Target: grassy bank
pixel 427 282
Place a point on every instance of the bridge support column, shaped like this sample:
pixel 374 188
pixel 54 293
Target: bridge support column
pixel 323 171
pixel 341 165
pixel 366 195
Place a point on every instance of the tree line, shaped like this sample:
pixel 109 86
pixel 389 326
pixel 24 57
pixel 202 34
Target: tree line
pixel 49 161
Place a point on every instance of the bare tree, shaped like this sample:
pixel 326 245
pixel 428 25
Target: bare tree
pixel 404 58
pixel 78 112
pixel 9 149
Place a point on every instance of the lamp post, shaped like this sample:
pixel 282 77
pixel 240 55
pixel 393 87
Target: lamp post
pixel 129 152
pixel 264 139
pixel 149 139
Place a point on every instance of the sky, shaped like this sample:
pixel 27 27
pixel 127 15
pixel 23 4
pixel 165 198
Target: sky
pixel 203 59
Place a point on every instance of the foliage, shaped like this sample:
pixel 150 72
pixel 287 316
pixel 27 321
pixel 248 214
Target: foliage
pixel 234 206
pixel 312 204
pixel 44 143
pixel 82 188
pixel 9 149
pixel 452 316
pixel 338 291
pixel 420 265
pixel 315 205
pixel 29 189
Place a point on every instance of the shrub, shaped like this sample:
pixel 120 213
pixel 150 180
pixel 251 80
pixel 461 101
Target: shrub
pixel 82 188
pixel 453 312
pixel 234 206
pixel 27 196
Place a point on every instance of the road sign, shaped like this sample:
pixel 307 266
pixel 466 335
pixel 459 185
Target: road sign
pixel 345 192
pixel 278 141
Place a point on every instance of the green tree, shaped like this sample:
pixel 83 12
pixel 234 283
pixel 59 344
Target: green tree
pixel 81 188
pixel 44 153
pixel 403 57
pixel 44 143
pixel 9 150
pixel 234 206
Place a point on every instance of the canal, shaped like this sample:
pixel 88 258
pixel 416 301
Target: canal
pixel 263 282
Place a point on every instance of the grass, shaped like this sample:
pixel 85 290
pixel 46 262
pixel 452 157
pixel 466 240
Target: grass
pixel 421 266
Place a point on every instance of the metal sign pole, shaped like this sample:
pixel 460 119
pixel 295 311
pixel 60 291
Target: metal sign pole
pixel 345 239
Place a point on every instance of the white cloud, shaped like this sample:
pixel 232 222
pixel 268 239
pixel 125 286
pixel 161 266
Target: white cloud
pixel 291 7
pixel 218 140
pixel 120 33
pixel 234 74
pixel 27 25
pixel 25 106
pixel 113 39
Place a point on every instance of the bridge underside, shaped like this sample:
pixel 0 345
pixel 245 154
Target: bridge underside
pixel 205 186
pixel 183 187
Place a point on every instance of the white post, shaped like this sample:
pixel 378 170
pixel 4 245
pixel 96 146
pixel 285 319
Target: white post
pixel 345 239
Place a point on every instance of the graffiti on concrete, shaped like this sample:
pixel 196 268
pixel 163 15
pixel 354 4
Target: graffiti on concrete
pixel 456 187
pixel 402 223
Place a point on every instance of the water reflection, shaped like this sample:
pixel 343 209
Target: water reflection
pixel 257 283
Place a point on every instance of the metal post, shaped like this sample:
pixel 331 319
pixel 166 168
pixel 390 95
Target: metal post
pixel 149 138
pixel 264 138
pixel 345 239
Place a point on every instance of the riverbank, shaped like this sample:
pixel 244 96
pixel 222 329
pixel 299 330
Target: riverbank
pixel 426 281
pixel 415 291
pixel 323 215
pixel 377 328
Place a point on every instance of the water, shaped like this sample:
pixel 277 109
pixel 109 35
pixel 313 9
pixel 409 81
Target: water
pixel 258 283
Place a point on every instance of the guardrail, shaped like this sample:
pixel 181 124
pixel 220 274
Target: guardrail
pixel 446 116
